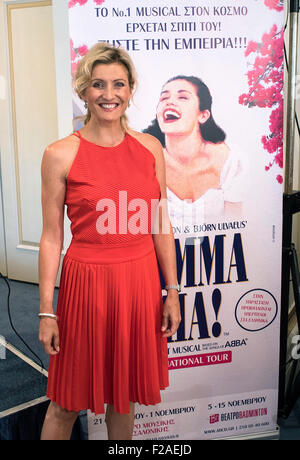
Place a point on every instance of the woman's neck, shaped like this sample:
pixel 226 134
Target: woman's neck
pixel 185 149
pixel 110 133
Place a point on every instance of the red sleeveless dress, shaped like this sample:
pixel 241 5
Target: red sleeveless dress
pixel 110 304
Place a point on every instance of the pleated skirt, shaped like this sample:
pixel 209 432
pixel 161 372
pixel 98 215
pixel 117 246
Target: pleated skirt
pixel 109 317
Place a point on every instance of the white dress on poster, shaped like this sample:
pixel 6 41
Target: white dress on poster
pixel 212 203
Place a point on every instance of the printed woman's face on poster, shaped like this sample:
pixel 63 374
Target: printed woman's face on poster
pixel 178 109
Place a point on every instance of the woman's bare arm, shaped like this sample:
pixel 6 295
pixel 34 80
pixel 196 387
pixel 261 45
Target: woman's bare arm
pixel 53 195
pixel 53 173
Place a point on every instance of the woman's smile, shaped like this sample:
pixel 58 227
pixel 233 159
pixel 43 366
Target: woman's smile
pixel 171 115
pixel 178 108
pixel 108 107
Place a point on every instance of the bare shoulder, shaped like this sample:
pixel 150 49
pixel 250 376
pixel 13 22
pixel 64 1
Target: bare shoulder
pixel 148 141
pixel 219 154
pixel 58 155
pixel 62 146
pixel 222 150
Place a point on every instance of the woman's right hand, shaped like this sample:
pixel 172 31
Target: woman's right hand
pixel 49 335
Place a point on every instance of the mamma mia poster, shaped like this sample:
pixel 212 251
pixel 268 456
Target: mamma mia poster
pixel 210 88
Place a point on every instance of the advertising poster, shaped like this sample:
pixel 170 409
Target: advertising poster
pixel 210 87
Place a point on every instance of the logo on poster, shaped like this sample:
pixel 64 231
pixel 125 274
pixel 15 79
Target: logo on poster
pixel 214 418
pixel 256 310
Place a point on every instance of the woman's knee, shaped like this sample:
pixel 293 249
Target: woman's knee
pixel 60 413
pixel 110 410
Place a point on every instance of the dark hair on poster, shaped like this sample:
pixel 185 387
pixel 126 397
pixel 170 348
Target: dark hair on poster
pixel 209 130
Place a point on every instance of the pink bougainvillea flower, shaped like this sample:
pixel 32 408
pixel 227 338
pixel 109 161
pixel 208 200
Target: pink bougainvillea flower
pixel 82 50
pixel 265 80
pixel 76 2
pixel 76 55
pixel 252 47
pixel 83 2
pixel 274 4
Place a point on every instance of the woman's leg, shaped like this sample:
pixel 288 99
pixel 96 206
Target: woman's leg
pixel 58 423
pixel 119 426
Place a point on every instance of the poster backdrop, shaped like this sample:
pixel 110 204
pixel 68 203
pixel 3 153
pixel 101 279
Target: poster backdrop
pixel 224 195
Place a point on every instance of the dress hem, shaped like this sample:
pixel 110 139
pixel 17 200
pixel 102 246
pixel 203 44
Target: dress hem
pixel 96 412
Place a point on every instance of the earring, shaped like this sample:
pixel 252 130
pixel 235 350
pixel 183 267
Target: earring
pixel 85 105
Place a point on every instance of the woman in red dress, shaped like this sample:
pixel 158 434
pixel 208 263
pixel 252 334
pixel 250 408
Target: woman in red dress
pixel 108 339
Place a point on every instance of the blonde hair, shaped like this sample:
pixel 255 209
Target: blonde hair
pixel 102 53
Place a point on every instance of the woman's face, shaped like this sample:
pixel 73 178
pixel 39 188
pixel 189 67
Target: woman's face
pixel 178 109
pixel 109 92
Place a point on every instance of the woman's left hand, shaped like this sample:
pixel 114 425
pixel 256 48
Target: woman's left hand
pixel 171 314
